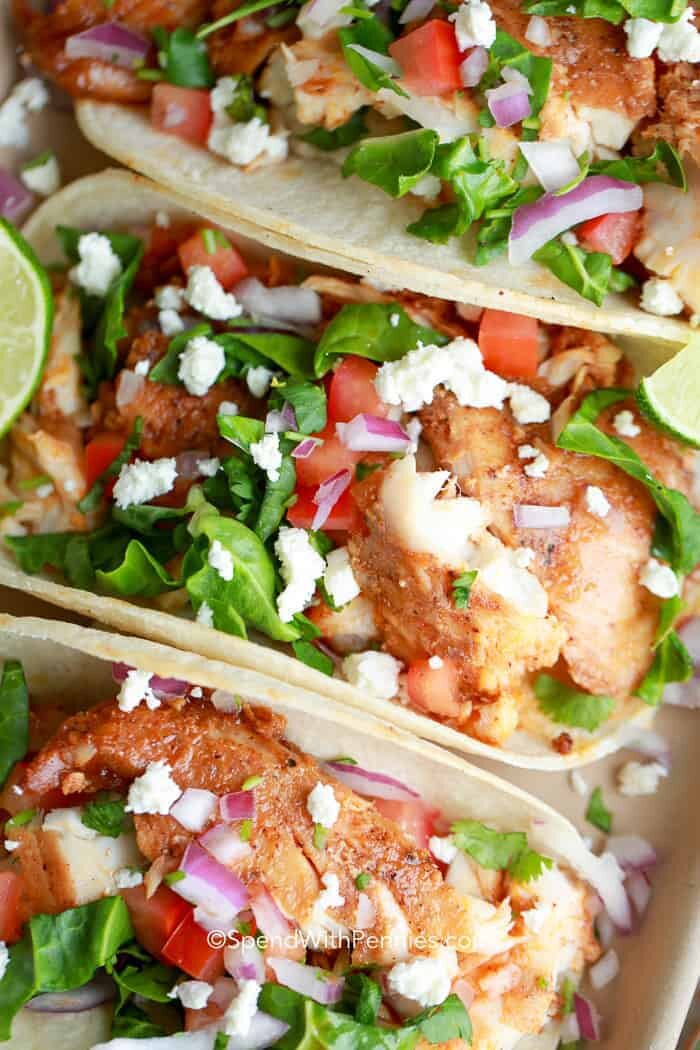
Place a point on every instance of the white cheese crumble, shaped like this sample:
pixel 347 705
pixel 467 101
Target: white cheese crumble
pixel 4 959
pixel 141 481
pixel 29 95
pixel 660 297
pixel 170 297
pixel 376 673
pixel 339 579
pixel 578 783
pixel 11 844
pixel 539 466
pixel 596 501
pixel 142 367
pixel 474 24
pixel 201 363
pixel 205 294
pixel 624 424
pixel 44 177
pixel 426 980
pixel 680 41
pixel 227 408
pixel 136 688
pixel 170 322
pixel 527 452
pixel 44 491
pixel 99 264
pixel 242 1009
pixel 221 560
pixel 300 567
pixel 243 143
pixel 443 849
pixel 162 219
pixel 435 662
pixel 640 778
pixel 194 995
pixel 330 897
pixel 642 36
pixel 411 381
pixel 154 791
pixel 527 405
pixel 197 692
pixel 208 467
pixel 429 188
pixel 127 878
pixel 205 615
pixel 267 455
pixel 660 579
pixel 323 806
pixel 258 380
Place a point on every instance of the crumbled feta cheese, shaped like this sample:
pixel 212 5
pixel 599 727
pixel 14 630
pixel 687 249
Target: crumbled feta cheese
pixel 99 264
pixel 4 959
pixel 170 297
pixel 44 491
pixel 376 673
pixel 243 143
pixel 535 918
pixel 127 878
pixel 205 294
pixel 267 455
pixel 221 560
pixel 330 897
pixel 242 1009
pixel 208 467
pixel 300 567
pixel 154 791
pixel 505 572
pixel 222 94
pixel 596 501
pixel 323 806
pixel 443 849
pixel 162 219
pixel 339 579
pixel 201 363
pixel 258 380
pixel 170 322
pixel 642 36
pixel 578 783
pixel 141 481
pixel 660 297
pixel 194 995
pixel 136 688
pixel 205 616
pixel 527 452
pixel 680 41
pixel 11 844
pixel 394 320
pixel 429 188
pixel 624 424
pixel 227 408
pixel 527 405
pixel 426 980
pixel 411 381
pixel 474 24
pixel 436 662
pixel 660 579
pixel 640 778
pixel 32 93
pixel 42 177
pixel 29 95
pixel 539 466
pixel 414 429
pixel 142 367
pixel 196 692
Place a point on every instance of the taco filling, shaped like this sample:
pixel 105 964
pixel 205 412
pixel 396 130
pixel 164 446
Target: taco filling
pixel 464 510
pixel 533 127
pixel 226 882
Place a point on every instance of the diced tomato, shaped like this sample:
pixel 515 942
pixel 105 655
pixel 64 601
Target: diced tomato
pixel 188 948
pixel 429 58
pixel 434 689
pixel 326 459
pixel 508 343
pixel 615 233
pixel 209 247
pixel 10 892
pixel 100 452
pixel 352 391
pixel 155 918
pixel 180 111
pixel 415 818
pixel 345 517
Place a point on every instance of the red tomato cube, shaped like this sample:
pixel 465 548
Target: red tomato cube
pixel 429 58
pixel 615 234
pixel 184 112
pixel 508 343
pixel 210 247
pixel 352 390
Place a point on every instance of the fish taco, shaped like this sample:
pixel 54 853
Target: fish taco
pixel 459 520
pixel 543 150
pixel 188 860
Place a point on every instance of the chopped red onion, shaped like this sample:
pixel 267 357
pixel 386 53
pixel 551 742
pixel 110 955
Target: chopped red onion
pixel 509 103
pixel 304 449
pixel 553 163
pixel 245 961
pixel 537 223
pixel 632 852
pixel 277 422
pixel 109 42
pixel 474 66
pixel 327 495
pixel 209 885
pixel 15 198
pixel 129 386
pixel 605 930
pixel 538 32
pixel 588 1018
pixel 373 785
pixel 162 687
pixel 238 805
pixel 639 891
pixel 187 464
pixel 415 10
pixel 264 1031
pixel 605 970
pixel 225 702
pixel 322 13
pixel 366 433
pixel 683 694
pixel 319 985
pixel 287 303
pixel 269 918
pixel 690 633
pixel 569 1031
pixel 225 844
pixel 385 62
pixel 194 808
pixel 96 992
pixel 607 877
pixel 532 516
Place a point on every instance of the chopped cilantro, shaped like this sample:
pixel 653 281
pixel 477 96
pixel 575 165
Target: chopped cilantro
pixel 320 836
pixel 363 880
pixel 569 706
pixel 598 813
pixel 498 850
pixel 173 877
pixel 250 782
pixel 245 830
pixel 461 588
pixel 106 818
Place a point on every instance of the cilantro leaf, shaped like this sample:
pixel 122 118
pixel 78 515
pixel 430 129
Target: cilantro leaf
pixel 499 851
pixel 597 813
pixel 461 588
pixel 106 818
pixel 672 663
pixel 184 59
pixel 571 707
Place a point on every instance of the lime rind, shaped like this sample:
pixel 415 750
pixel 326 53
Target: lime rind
pixel 670 397
pixel 26 320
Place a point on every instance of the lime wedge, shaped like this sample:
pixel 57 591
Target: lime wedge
pixel 670 396
pixel 26 317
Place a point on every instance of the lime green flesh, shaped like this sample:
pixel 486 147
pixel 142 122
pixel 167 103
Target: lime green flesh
pixel 670 396
pixel 26 314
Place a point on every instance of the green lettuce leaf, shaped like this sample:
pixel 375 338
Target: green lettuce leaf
pixel 14 717
pixel 591 274
pixel 394 163
pixel 366 330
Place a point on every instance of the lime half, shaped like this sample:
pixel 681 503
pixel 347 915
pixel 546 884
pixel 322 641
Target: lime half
pixel 670 396
pixel 26 316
